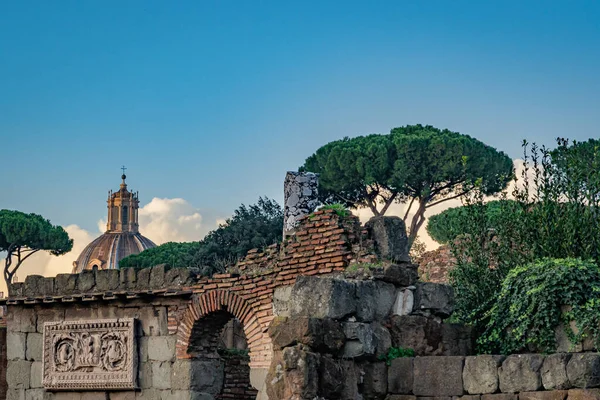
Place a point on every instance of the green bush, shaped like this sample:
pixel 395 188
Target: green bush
pixel 339 209
pixel 528 309
pixel 452 222
pixel 555 214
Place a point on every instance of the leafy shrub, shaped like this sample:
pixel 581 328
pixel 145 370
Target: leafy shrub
pixel 528 309
pixel 555 214
pixel 452 222
pixel 396 352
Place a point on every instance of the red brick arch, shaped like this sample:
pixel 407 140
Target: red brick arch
pixel 202 305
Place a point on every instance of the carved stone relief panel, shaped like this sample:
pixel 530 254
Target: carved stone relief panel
pixel 90 355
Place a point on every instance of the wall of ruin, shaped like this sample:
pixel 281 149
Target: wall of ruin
pixel 174 308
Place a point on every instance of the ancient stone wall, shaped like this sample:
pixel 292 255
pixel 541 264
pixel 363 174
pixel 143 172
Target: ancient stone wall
pixel 331 334
pixel 176 309
pixel 335 338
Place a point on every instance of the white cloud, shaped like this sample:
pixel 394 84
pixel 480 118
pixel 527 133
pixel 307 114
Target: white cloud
pixel 161 220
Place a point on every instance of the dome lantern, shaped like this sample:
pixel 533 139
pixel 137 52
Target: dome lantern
pixel 122 237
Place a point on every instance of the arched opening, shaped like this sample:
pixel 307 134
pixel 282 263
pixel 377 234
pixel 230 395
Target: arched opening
pixel 202 327
pixel 219 337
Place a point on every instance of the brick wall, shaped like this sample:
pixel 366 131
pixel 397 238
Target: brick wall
pixel 435 265
pixel 195 309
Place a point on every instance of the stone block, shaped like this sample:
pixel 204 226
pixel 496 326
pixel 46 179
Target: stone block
pixel 177 277
pixel 333 336
pixel 554 371
pixel 86 281
pixel 36 394
pixel 583 370
pixel 16 289
pixel 69 396
pixel 18 374
pixel 48 315
pixel 521 373
pixel 400 397
pixel 198 375
pixel 457 340
pixel 302 372
pixel 374 300
pixel 16 344
pixel 157 276
pixel 361 340
pixel 122 396
pixel 127 278
pixel 34 347
pixel 15 394
pixel 66 283
pixel 78 312
pixel 145 375
pixel 375 381
pixel 434 298
pixel 416 332
pixel 544 395
pixel 467 397
pixel 400 375
pixel 35 379
pixel 401 274
pixel 584 394
pixel 331 378
pixel 351 378
pixel 404 303
pixel 389 236
pixel 161 375
pixel 161 348
pixel 47 286
pixel 480 374
pixel 281 301
pixel 34 284
pixel 154 321
pixel 322 297
pixel 24 319
pixel 286 332
pixel 143 279
pixel 500 396
pixel 143 348
pixel 185 395
pixel 107 280
pixel 149 394
pixel 438 376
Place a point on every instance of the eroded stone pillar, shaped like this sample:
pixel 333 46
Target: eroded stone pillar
pixel 299 198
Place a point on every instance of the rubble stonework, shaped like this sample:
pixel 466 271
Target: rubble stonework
pixel 300 190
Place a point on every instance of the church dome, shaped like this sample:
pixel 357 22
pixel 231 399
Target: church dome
pixel 121 238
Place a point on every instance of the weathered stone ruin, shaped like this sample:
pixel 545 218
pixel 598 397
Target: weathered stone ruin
pixel 323 315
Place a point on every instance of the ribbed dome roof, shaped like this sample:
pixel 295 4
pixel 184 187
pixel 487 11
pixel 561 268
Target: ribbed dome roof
pixel 106 251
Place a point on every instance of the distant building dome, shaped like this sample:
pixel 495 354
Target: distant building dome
pixel 121 238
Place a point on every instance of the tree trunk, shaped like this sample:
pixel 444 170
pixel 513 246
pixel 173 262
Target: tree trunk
pixel 417 222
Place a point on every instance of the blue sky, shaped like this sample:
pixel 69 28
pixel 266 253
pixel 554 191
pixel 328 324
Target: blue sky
pixel 214 101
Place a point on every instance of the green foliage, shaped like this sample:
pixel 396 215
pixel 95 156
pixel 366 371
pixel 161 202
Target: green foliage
pixel 554 215
pixel 452 222
pixel 340 209
pixel 528 308
pixel 413 164
pixel 22 235
pixel 396 352
pixel 254 226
